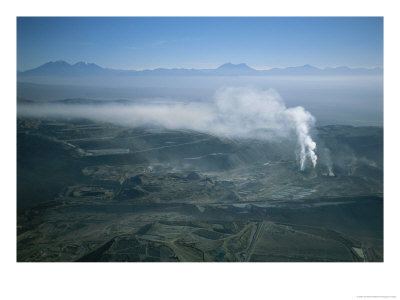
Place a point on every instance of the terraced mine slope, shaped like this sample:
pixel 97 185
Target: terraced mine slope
pixel 91 191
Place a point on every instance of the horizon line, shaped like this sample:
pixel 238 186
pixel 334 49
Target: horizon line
pixel 256 68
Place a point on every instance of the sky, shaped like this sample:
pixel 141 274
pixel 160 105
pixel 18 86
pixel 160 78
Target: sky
pixel 183 42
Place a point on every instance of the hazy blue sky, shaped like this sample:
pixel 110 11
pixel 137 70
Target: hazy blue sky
pixel 138 43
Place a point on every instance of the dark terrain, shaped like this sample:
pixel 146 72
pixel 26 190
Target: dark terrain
pixel 91 191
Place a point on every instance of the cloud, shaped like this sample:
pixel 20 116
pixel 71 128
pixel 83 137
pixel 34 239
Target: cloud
pixel 237 112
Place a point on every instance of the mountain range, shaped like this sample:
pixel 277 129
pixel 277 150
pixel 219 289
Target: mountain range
pixel 63 69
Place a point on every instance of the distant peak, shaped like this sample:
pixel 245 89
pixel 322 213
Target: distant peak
pixel 85 64
pixel 59 62
pixel 228 64
pixel 234 66
pixel 55 64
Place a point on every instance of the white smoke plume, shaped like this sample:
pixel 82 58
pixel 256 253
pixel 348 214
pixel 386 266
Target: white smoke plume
pixel 326 158
pixel 235 112
pixel 303 120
